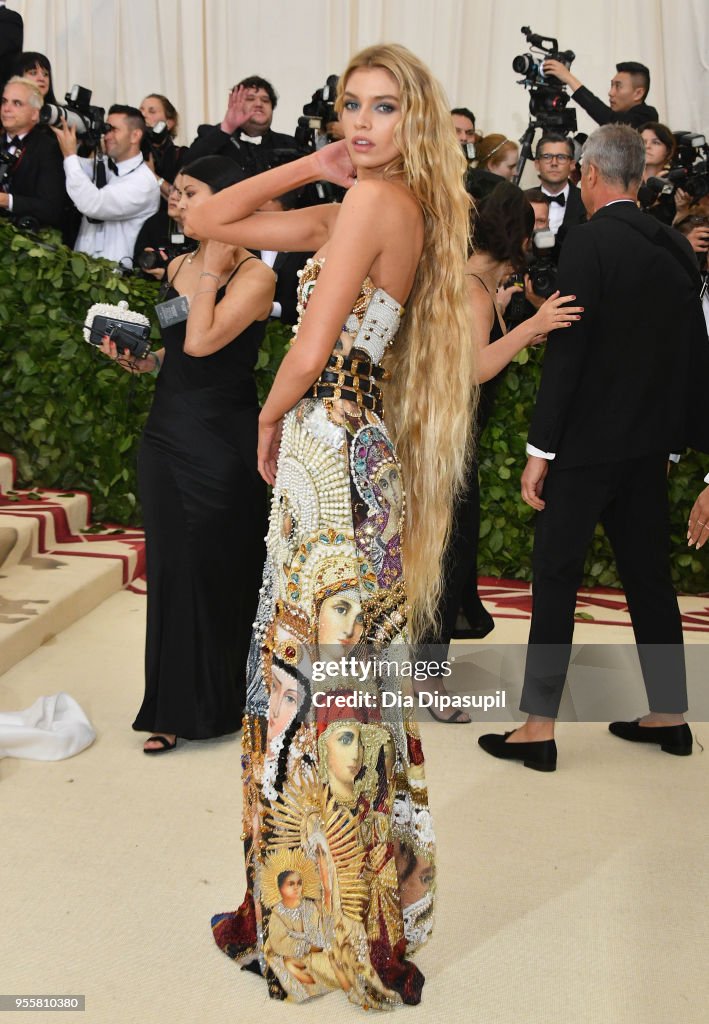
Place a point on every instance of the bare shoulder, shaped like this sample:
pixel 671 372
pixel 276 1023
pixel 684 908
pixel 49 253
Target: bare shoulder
pixel 382 198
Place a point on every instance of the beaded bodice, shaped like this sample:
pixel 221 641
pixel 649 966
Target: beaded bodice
pixel 371 326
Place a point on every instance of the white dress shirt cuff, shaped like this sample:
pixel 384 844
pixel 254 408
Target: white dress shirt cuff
pixel 674 457
pixel 706 479
pixel 276 309
pixel 531 450
pixel 9 202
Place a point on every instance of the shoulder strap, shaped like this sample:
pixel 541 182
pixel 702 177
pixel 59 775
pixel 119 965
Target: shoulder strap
pixel 236 268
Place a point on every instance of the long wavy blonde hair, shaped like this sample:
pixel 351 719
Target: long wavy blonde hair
pixel 430 400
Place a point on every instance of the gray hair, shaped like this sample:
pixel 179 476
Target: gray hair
pixel 34 96
pixel 618 154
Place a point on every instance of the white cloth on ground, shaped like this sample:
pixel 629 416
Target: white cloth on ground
pixel 51 729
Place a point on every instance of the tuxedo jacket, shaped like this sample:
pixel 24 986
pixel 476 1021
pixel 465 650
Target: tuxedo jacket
pixel 286 267
pixel 211 141
pixel 629 378
pixel 574 213
pixel 37 183
pixel 11 34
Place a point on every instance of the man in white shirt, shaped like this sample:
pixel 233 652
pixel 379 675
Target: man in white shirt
pixel 114 212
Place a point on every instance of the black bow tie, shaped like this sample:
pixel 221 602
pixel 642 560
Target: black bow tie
pixel 16 142
pixel 560 199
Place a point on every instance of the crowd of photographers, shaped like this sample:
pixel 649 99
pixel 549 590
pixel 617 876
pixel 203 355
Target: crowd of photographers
pixel 111 181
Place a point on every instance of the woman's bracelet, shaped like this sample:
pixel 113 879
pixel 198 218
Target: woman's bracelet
pixel 208 273
pixel 205 291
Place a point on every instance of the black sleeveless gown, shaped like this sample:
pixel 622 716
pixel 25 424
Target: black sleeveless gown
pixel 204 507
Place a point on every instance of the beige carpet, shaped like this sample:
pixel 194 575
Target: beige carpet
pixel 563 899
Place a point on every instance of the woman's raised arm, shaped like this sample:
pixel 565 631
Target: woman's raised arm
pixel 232 215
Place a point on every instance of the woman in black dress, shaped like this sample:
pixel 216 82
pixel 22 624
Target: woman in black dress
pixel 502 228
pixel 204 504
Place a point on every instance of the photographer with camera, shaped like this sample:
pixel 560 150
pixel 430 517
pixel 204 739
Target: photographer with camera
pixel 163 157
pixel 31 176
pixel 465 131
pixel 122 197
pixel 245 134
pixel 628 91
pixel 161 238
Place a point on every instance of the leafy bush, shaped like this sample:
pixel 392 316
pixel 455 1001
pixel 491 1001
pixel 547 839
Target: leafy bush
pixel 72 420
pixel 69 416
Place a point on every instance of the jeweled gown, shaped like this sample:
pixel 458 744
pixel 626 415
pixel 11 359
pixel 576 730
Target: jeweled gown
pixel 338 838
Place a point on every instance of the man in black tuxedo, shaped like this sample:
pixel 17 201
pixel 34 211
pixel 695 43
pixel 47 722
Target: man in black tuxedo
pixel 620 390
pixel 11 35
pixel 244 134
pixel 35 180
pixel 627 94
pixel 554 163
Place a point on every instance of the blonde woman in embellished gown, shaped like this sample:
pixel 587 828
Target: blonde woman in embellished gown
pixel 365 452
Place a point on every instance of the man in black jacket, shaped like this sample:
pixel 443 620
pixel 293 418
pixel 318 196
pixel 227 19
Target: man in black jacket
pixel 35 180
pixel 244 134
pixel 554 162
pixel 629 88
pixel 620 390
pixel 11 34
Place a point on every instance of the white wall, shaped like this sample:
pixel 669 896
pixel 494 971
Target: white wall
pixel 194 50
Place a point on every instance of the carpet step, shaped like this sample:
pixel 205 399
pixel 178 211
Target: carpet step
pixel 54 566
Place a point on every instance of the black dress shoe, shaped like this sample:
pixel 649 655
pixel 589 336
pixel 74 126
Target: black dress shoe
pixel 673 739
pixel 476 629
pixel 539 755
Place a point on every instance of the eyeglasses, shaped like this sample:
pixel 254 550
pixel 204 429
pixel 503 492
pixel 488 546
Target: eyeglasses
pixel 561 158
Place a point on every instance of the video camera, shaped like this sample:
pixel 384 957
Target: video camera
pixel 548 96
pixel 311 132
pixel 78 113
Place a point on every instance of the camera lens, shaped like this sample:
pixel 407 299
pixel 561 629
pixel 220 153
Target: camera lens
pixel 523 64
pixel 149 259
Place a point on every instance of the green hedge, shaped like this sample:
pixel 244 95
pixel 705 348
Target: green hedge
pixel 73 420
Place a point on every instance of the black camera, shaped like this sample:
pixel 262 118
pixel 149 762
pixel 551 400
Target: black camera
pixel 151 259
pixel 541 267
pixel 689 171
pixel 7 162
pixel 548 96
pixel 311 132
pixel 78 113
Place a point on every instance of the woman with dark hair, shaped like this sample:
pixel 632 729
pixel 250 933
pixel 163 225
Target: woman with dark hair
pixel 502 229
pixel 204 504
pixel 37 68
pixel 660 147
pixel 164 157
